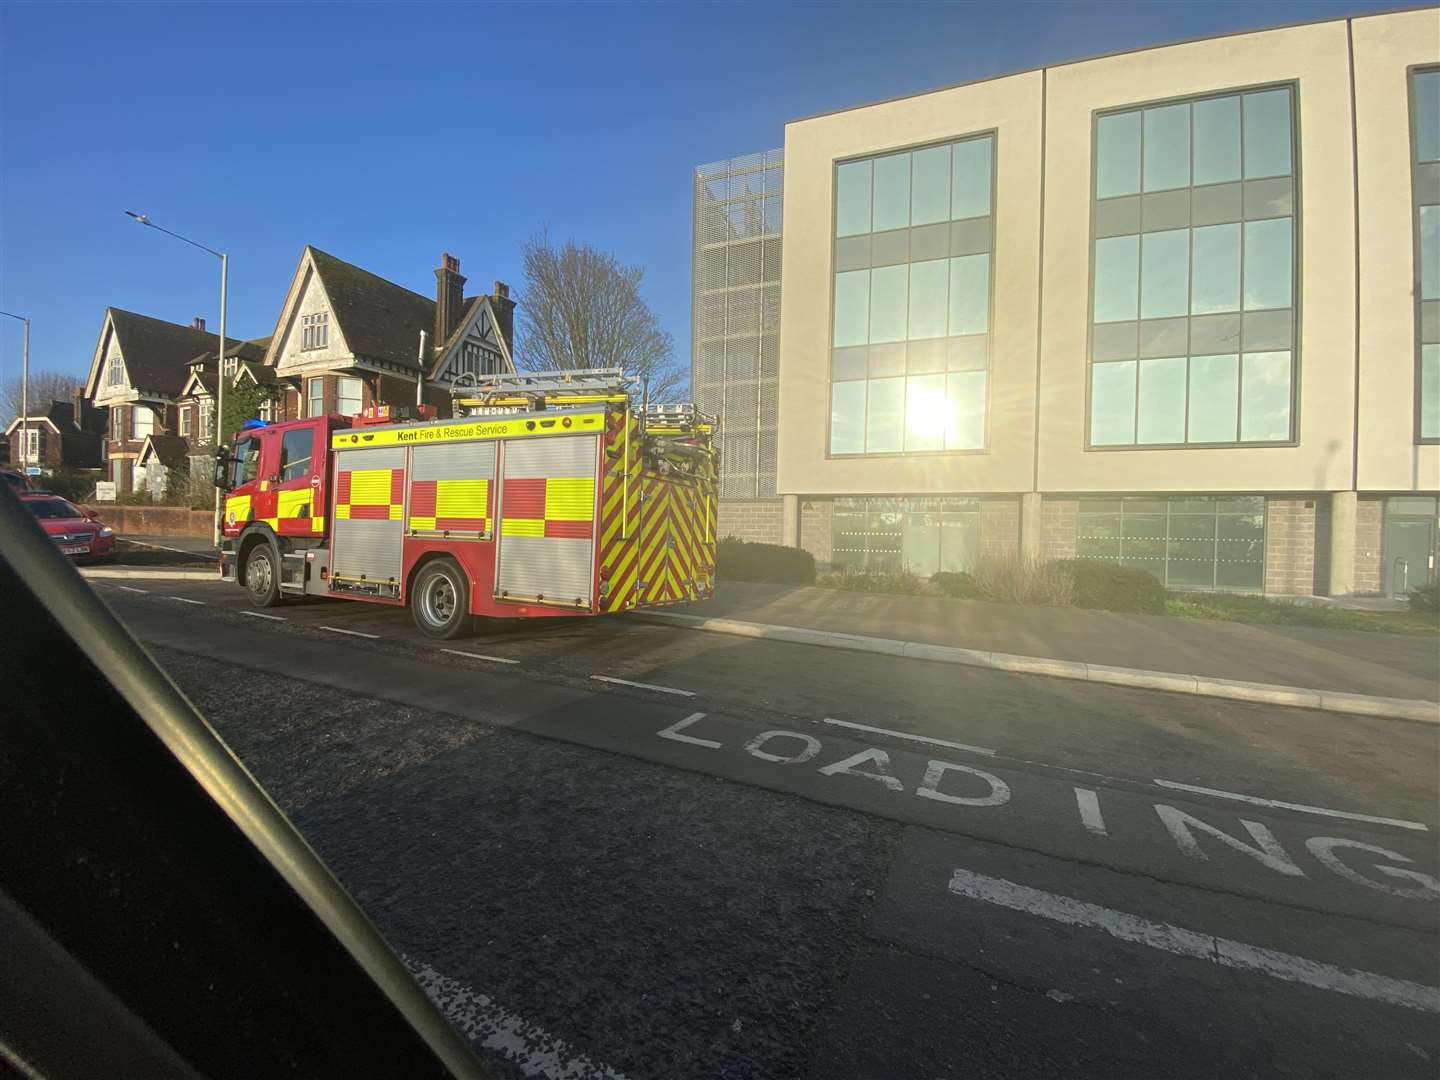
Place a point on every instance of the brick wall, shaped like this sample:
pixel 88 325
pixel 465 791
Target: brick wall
pixel 1369 543
pixel 1290 546
pixel 816 534
pixel 758 522
pixel 154 520
pixel 1000 526
pixel 1059 528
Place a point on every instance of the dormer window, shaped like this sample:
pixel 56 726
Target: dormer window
pixel 315 330
pixel 228 366
pixel 477 360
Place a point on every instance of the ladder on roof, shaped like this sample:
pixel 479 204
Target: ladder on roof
pixel 583 381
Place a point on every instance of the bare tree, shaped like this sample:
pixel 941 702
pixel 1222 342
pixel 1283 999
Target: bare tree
pixel 45 387
pixel 582 308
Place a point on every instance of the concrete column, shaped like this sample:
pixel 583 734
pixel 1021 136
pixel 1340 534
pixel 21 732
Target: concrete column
pixel 790 520
pixel 1342 542
pixel 1030 526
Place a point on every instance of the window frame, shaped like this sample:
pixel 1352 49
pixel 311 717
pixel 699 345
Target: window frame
pixel 1297 265
pixel 183 426
pixel 1417 376
pixel 993 134
pixel 310 396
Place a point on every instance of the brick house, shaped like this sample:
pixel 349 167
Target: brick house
pixel 347 338
pixel 67 435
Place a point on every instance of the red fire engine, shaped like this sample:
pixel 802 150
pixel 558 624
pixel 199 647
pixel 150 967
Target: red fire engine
pixel 544 495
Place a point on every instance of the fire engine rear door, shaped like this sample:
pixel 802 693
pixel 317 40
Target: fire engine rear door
pixel 369 512
pixel 547 520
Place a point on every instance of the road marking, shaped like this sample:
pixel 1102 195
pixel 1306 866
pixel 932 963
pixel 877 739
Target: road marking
pixel 1302 807
pixel 912 738
pixel 644 685
pixel 186 600
pixel 1090 816
pixel 162 547
pixel 480 656
pixel 352 633
pixel 673 732
pixel 481 1020
pixel 129 588
pixel 1192 943
pixel 261 615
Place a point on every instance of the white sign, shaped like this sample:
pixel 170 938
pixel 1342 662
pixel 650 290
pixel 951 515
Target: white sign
pixel 105 491
pixel 32 470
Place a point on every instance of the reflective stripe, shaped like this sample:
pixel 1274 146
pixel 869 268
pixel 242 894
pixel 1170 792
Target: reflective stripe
pixel 522 527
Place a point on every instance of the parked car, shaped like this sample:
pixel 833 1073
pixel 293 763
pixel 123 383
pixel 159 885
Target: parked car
pixel 18 482
pixel 79 534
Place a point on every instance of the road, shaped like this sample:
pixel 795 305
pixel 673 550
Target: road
pixel 623 849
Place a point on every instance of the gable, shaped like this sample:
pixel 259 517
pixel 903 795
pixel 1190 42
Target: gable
pixel 107 352
pixel 476 348
pixel 307 303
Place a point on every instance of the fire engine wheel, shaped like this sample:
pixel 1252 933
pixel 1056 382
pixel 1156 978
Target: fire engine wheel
pixel 262 581
pixel 440 600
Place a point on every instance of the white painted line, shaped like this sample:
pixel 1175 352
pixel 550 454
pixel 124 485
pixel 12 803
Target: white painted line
pixel 534 1051
pixel 644 686
pixel 131 588
pixel 1090 816
pixel 673 732
pixel 162 547
pixel 1302 807
pixel 186 600
pixel 911 738
pixel 352 633
pixel 1192 943
pixel 261 615
pixel 480 656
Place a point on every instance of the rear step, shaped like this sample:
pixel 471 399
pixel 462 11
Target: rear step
pixel 292 572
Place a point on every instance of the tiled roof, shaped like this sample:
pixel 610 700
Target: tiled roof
pixel 378 318
pixel 157 353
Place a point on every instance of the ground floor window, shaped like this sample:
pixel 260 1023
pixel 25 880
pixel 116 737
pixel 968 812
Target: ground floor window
pixel 1187 542
pixel 923 535
pixel 349 395
pixel 1411 542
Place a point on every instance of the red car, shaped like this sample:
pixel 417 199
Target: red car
pixel 17 482
pixel 79 535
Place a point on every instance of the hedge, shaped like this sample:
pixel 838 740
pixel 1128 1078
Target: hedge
pixel 740 560
pixel 957 585
pixel 1114 588
pixel 1425 598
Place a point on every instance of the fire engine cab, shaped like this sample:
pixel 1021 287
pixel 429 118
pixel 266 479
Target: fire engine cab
pixel 545 495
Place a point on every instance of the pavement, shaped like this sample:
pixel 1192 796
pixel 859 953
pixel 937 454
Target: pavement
pixel 1386 665
pixel 613 848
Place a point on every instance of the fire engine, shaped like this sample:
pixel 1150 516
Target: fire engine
pixel 556 494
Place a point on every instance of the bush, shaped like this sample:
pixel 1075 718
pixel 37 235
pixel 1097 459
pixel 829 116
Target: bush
pixel 1425 598
pixel 739 560
pixel 1010 579
pixel 956 585
pixel 1110 587
pixel 73 484
pixel 903 583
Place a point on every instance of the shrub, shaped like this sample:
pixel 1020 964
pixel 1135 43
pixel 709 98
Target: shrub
pixel 73 484
pixel 739 560
pixel 1110 587
pixel 1425 598
pixel 957 585
pixel 903 583
pixel 1010 579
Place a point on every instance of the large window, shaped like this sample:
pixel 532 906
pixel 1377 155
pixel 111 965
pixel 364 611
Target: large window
pixel 1189 542
pixel 1425 122
pixel 921 534
pixel 314 330
pixel 142 421
pixel 1192 333
pixel 349 395
pixel 910 358
pixel 185 420
pixel 315 392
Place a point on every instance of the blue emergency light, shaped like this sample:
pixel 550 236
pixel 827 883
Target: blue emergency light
pixel 250 425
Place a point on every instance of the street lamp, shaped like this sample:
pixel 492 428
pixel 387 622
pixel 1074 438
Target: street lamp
pixel 220 368
pixel 24 396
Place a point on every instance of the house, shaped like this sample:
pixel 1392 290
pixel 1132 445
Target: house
pixel 67 435
pixel 347 339
pixel 139 372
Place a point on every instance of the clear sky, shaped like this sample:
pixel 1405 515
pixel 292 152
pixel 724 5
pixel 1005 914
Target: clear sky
pixel 386 133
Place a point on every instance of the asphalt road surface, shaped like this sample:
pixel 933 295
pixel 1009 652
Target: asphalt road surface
pixel 616 849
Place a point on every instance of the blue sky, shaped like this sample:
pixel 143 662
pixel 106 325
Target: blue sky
pixel 388 133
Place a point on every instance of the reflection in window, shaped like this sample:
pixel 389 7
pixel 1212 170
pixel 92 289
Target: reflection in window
pixel 1189 542
pixel 923 535
pixel 1194 228
pixel 1425 182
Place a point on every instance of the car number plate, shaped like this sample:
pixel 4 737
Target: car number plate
pixel 75 549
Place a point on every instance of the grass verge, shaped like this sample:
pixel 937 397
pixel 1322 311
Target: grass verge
pixel 1253 609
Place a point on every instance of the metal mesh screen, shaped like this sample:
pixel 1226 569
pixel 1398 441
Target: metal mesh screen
pixel 735 315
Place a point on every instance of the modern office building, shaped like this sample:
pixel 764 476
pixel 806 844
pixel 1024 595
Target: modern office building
pixel 1176 308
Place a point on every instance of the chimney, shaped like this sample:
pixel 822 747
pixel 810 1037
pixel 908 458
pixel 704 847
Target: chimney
pixel 449 298
pixel 504 314
pixel 197 323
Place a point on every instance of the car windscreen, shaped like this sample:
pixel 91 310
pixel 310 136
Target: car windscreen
pixel 53 508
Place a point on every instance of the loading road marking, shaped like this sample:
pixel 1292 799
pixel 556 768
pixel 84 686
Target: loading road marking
pixel 352 633
pixel 1194 944
pixel 926 739
pixel 480 656
pixel 261 615
pixel 644 686
pixel 1301 807
pixel 187 600
pixel 1089 805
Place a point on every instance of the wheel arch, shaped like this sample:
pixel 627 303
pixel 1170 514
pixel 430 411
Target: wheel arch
pixel 435 556
pixel 252 535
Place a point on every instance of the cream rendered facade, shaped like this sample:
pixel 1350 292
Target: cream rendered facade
pixel 1353 294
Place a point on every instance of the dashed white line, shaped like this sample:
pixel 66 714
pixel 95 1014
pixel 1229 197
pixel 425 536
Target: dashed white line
pixel 162 547
pixel 352 633
pixel 1301 807
pixel 187 600
pixel 261 615
pixel 908 737
pixel 131 588
pixel 644 686
pixel 1194 944
pixel 1090 816
pixel 480 656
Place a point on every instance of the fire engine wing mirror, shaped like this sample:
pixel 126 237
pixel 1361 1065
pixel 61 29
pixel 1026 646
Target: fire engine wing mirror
pixel 223 462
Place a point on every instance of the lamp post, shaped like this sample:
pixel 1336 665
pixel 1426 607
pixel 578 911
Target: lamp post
pixel 24 396
pixel 220 368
